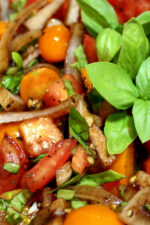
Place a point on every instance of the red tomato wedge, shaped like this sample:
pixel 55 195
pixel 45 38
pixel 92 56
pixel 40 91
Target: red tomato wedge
pixel 45 170
pixel 11 152
pixel 57 92
pixel 89 44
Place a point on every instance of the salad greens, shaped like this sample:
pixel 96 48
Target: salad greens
pixel 100 12
pixel 113 83
pixel 108 44
pixel 144 20
pixel 79 128
pixel 17 59
pixel 100 178
pixel 141 115
pixel 93 27
pixel 69 87
pixel 134 48
pixel 81 57
pixel 120 132
pixel 11 167
pixel 143 79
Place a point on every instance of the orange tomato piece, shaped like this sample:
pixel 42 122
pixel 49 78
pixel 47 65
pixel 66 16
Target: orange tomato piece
pixel 92 215
pixel 3 26
pixel 80 160
pixel 53 43
pixel 39 134
pixel 124 164
pixel 35 83
pixel 12 130
pixel 86 80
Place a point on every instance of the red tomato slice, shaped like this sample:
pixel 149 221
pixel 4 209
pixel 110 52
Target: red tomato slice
pixel 112 187
pixel 45 170
pixel 11 152
pixel 62 11
pixel 29 2
pixel 147 165
pixel 58 93
pixel 90 48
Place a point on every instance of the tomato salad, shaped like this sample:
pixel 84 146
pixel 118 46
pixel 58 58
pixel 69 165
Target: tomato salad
pixel 74 120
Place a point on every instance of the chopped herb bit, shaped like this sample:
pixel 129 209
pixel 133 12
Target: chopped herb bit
pixel 75 203
pixel 36 160
pixel 17 59
pixel 18 5
pixel 11 167
pixel 33 63
pixel 3 204
pixel 12 82
pixel 81 57
pixel 147 206
pixel 69 87
pixel 66 194
pixel 122 192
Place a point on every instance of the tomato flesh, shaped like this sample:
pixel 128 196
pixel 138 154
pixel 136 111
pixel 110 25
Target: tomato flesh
pixel 45 170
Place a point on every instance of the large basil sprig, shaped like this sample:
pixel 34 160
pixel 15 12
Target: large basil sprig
pixel 100 178
pixel 144 20
pixel 113 83
pixel 120 132
pixel 91 25
pixel 143 79
pixel 141 115
pixel 134 49
pixel 99 11
pixel 79 128
pixel 108 44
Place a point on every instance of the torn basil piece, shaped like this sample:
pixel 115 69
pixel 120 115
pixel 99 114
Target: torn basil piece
pixel 11 167
pixel 101 178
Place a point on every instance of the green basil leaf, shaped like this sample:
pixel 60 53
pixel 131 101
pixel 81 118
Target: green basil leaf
pixel 68 86
pixel 80 140
pixel 66 194
pixel 147 206
pixel 95 100
pixel 36 160
pixel 91 25
pixel 101 178
pixel 17 59
pixel 3 204
pixel 100 11
pixel 13 213
pixel 120 132
pixel 78 124
pixel 144 19
pixel 134 49
pixel 12 82
pixel 12 16
pixel 11 167
pixel 108 43
pixel 113 83
pixel 76 204
pixel 72 181
pixel 143 79
pixel 81 57
pixel 141 115
pixel 18 5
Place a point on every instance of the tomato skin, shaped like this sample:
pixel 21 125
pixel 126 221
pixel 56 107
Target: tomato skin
pixel 11 152
pixel 57 92
pixel 35 83
pixel 112 187
pixel 79 160
pixel 29 2
pixel 89 44
pixel 39 134
pixel 147 165
pixel 53 43
pixel 45 170
pixel 62 11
